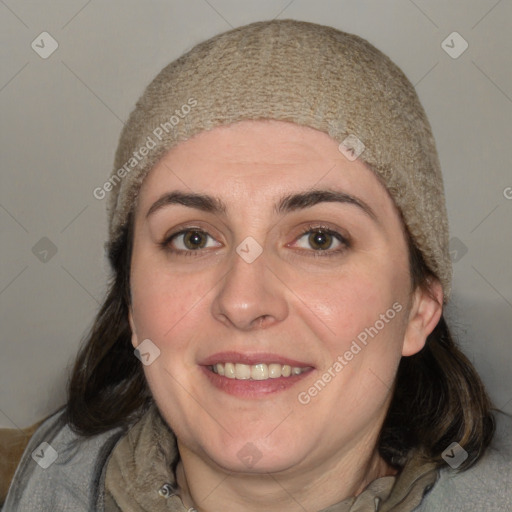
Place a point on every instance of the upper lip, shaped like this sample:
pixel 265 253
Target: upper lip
pixel 252 358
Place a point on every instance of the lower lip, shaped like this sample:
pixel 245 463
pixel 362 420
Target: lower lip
pixel 252 388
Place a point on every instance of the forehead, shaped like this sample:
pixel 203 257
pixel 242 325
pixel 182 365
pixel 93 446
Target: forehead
pixel 254 162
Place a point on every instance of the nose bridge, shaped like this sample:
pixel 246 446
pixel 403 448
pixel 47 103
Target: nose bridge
pixel 249 294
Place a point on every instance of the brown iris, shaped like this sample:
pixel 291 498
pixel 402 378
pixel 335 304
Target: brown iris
pixel 320 240
pixel 194 239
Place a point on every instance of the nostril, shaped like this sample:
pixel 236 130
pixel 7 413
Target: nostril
pixel 263 320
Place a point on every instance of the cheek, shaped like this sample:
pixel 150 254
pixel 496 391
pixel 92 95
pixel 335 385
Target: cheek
pixel 359 320
pixel 167 309
pixel 360 327
pixel 163 300
pixel 351 301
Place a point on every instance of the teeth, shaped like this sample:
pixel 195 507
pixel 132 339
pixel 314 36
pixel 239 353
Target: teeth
pixel 286 370
pixel 242 371
pixel 260 371
pixel 229 370
pixel 274 370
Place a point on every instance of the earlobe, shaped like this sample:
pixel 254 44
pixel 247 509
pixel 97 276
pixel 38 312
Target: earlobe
pixel 424 315
pixel 135 341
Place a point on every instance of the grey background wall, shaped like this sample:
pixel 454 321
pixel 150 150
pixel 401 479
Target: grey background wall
pixel 62 113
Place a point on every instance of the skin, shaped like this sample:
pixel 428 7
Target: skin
pixel 286 302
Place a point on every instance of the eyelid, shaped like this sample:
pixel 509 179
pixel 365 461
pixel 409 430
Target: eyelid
pixel 327 229
pixel 189 226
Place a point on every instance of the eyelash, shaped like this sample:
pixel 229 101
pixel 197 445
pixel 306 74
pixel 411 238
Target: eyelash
pixel 166 243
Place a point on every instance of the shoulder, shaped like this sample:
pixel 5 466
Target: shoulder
pixel 59 469
pixel 13 442
pixel 485 486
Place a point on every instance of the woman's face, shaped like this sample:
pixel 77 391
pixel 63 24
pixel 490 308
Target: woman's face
pixel 261 251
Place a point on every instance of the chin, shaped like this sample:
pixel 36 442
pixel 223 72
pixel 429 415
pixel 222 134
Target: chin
pixel 252 460
pixel 257 452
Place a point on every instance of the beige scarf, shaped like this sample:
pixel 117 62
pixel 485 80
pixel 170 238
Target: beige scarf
pixel 140 477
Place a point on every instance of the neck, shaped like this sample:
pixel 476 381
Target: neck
pixel 211 488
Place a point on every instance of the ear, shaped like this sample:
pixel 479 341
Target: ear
pixel 425 312
pixel 135 339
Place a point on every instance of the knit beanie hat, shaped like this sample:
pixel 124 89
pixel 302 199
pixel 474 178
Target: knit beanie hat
pixel 304 73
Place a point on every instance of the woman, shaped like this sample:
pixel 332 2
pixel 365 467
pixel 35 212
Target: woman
pixel 278 236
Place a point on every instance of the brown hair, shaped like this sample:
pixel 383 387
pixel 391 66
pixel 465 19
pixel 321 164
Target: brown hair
pixel 438 398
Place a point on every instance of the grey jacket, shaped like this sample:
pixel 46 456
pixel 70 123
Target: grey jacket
pixel 68 473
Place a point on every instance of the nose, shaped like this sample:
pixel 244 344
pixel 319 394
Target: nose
pixel 251 295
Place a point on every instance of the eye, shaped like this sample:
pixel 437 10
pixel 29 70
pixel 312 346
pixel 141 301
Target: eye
pixel 187 241
pixel 321 238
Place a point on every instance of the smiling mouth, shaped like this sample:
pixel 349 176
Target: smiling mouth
pixel 260 371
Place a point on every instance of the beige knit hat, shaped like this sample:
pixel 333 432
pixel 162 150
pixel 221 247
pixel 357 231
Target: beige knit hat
pixel 308 74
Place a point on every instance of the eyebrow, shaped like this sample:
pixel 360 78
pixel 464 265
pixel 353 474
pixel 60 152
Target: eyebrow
pixel 287 203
